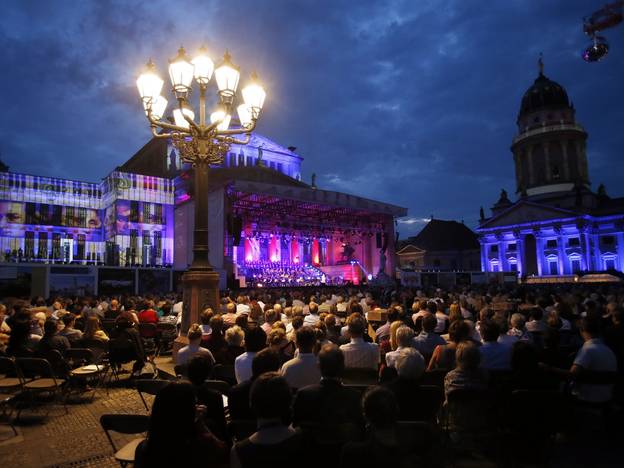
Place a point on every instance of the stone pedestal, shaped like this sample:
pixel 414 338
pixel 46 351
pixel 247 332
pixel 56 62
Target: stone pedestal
pixel 201 290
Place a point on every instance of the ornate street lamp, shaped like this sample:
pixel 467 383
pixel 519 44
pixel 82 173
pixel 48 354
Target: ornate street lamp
pixel 200 143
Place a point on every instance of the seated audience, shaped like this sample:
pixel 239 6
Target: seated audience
pixel 234 339
pixel 198 371
pixel 274 444
pixel 328 402
pixel 303 369
pixel 68 331
pixel 51 339
pixel 177 435
pixel 427 339
pixel 255 340
pixel 313 317
pixel 265 360
pixel 494 355
pixel 215 341
pixel 194 347
pixel 443 356
pixel 467 373
pixel 405 340
pixel 148 314
pixel 358 353
pixel 93 331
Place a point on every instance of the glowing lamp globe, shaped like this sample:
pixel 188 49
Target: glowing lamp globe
pixel 244 115
pixel 149 83
pixel 157 107
pixel 202 67
pixel 181 72
pixel 221 116
pixel 227 76
pixel 178 116
pixel 254 95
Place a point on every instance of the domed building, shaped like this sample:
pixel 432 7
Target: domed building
pixel 558 225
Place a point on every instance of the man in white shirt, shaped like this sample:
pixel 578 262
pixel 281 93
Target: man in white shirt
pixel 594 356
pixel 255 340
pixel 405 339
pixel 358 353
pixel 303 370
pixel 313 317
pixel 427 339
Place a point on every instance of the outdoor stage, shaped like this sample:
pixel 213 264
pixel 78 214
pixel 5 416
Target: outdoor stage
pixel 270 230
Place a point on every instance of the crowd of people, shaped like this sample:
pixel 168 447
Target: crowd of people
pixel 287 354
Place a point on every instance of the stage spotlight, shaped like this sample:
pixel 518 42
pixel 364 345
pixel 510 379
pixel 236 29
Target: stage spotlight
pixel 596 50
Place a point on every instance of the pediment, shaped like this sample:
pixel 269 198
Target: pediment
pixel 527 212
pixel 409 248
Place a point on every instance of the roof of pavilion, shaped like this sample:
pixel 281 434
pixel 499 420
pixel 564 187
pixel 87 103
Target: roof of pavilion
pixel 274 205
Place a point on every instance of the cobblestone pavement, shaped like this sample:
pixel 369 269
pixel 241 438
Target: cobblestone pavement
pixel 74 439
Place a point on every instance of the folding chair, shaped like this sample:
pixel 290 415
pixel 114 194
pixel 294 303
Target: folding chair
pixel 151 387
pixel 10 379
pixel 84 368
pixel 98 347
pixel 360 376
pixel 225 373
pixel 6 402
pixel 167 333
pixel 125 424
pixel 149 337
pixel 217 385
pixel 39 377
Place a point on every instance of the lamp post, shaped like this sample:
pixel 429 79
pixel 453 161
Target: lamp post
pixel 200 143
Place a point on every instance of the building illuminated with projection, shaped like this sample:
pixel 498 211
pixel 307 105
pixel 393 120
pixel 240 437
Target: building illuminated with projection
pixel 132 231
pixel 558 225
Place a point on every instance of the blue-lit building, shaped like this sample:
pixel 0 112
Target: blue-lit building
pixel 558 225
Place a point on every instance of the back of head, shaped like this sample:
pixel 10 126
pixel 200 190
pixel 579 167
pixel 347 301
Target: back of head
pixel 489 330
pixel 199 369
pixel 270 397
pixel 230 308
pixel 467 356
pixel 404 336
pixel 206 315
pixel 459 331
pixel 306 339
pixel 591 327
pixel 266 360
pixel 524 357
pixel 393 314
pixel 50 327
pixel 216 323
pixel 410 365
pixel 331 361
pixel 380 407
pixel 194 332
pixel 313 307
pixel 255 340
pixel 69 319
pixel 174 406
pixel 356 325
pixel 330 321
pixel 234 336
pixel 432 307
pixel 429 322
pixel 517 321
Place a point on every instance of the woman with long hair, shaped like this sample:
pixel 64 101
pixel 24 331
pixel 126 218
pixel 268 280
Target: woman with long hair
pixel 93 331
pixel 190 444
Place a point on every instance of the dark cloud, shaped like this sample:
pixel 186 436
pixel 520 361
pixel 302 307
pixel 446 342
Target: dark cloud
pixel 413 103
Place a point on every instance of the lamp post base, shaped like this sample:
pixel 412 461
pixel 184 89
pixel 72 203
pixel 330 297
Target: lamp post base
pixel 201 290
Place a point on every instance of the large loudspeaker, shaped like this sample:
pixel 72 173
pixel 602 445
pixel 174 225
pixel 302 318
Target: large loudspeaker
pixel 237 227
pixel 378 240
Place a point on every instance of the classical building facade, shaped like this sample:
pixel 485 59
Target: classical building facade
pixel 558 225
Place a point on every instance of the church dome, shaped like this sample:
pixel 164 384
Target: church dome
pixel 544 93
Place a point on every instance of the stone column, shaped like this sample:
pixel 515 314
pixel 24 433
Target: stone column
pixel 539 254
pixel 484 262
pixel 502 260
pixel 597 258
pixel 546 148
pixel 561 252
pixel 620 251
pixel 530 164
pixel 566 163
pixel 519 253
pixel 586 247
